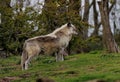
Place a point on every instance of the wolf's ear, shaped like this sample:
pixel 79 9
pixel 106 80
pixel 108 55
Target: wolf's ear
pixel 69 24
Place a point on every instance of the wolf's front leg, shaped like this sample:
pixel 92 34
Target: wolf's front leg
pixel 59 57
pixel 62 57
pixel 62 53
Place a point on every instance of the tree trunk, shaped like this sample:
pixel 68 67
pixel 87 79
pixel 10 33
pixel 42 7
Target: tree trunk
pixel 96 23
pixel 108 39
pixel 85 19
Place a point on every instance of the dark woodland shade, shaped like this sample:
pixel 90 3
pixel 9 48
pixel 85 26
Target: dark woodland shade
pixel 44 80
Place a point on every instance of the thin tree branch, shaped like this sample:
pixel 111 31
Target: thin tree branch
pixel 112 6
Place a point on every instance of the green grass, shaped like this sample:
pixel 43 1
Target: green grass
pixel 75 68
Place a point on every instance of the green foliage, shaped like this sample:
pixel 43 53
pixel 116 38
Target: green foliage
pixel 55 16
pixel 90 44
pixel 117 36
pixel 17 27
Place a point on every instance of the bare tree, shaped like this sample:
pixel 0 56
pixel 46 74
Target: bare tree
pixel 96 22
pixel 108 39
pixel 85 18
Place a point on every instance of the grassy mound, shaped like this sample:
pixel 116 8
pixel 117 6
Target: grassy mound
pixel 89 67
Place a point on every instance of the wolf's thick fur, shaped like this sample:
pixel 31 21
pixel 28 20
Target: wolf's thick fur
pixel 54 42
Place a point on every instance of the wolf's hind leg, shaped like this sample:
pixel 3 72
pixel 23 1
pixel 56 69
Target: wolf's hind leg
pixel 27 62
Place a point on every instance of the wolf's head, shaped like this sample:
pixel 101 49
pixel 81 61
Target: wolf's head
pixel 68 29
pixel 72 28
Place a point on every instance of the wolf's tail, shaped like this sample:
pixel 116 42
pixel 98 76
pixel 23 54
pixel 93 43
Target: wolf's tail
pixel 24 57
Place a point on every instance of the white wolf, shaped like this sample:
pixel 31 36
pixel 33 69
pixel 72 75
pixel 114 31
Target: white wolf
pixel 54 42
